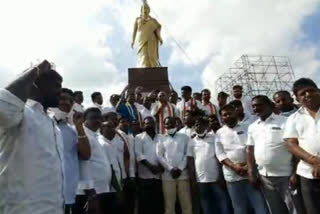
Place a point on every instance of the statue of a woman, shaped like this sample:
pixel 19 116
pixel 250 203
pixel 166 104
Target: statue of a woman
pixel 149 38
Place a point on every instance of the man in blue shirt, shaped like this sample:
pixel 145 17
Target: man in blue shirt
pixel 76 146
pixel 127 109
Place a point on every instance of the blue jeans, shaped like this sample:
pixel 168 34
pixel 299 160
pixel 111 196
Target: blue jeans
pixel 214 199
pixel 244 196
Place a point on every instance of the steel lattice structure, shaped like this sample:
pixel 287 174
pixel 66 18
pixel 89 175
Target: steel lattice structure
pixel 258 75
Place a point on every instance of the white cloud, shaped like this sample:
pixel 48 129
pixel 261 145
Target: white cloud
pixel 219 32
pixel 69 33
pixel 76 35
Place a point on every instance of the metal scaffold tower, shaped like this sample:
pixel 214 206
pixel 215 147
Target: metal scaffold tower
pixel 258 75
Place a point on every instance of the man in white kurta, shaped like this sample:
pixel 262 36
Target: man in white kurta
pixel 245 100
pixel 162 109
pixel 172 155
pixel 31 147
pixel 187 103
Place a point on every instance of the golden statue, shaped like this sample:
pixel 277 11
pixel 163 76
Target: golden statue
pixel 149 38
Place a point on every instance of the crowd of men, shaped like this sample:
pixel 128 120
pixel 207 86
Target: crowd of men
pixel 157 153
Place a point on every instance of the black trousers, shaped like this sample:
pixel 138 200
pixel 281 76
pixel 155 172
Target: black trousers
pixel 107 202
pixel 129 196
pixel 78 208
pixel 150 196
pixel 68 208
pixel 310 189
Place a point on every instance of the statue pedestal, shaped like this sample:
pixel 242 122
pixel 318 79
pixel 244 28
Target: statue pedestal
pixel 149 78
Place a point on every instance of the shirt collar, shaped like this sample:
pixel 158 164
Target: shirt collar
pixel 145 134
pixel 97 106
pixel 288 113
pixel 271 117
pixel 206 104
pixel 303 110
pixel 90 132
pixel 187 101
pixel 186 128
pixel 35 105
pixel 202 138
pixel 211 132
pixel 77 104
pixel 236 126
pixel 105 139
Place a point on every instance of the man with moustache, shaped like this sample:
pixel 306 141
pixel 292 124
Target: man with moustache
pixel 172 155
pixel 270 154
pixel 75 143
pixel 31 147
pixel 230 145
pixel 302 133
pixel 150 198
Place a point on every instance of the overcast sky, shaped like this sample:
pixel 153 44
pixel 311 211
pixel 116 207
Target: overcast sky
pixel 89 40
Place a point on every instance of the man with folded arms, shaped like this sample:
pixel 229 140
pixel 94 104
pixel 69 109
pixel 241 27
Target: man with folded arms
pixel 302 133
pixel 231 152
pixel 172 154
pixel 204 170
pixel 149 170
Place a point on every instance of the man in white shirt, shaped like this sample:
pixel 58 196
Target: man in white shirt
pixel 284 103
pixel 97 100
pixel 173 97
pixel 197 96
pixel 267 149
pixel 243 117
pixel 205 170
pixel 172 155
pixel 222 99
pixel 302 133
pixel 208 107
pixel 179 123
pixel 121 149
pixel 162 109
pixel 114 99
pixel 188 124
pixel 135 128
pixel 111 116
pixel 150 198
pixel 147 108
pixel 77 106
pixel 187 103
pixel 95 173
pixel 214 124
pixel 75 144
pixel 123 130
pixel 245 100
pixel 78 100
pixel 138 95
pixel 231 152
pixel 129 186
pixel 113 199
pixel 31 147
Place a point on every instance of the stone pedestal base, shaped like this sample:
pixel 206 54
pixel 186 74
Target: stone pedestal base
pixel 149 78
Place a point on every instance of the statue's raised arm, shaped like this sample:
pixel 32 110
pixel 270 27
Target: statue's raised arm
pixel 148 33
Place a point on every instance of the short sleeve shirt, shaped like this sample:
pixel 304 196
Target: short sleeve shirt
pixel 204 153
pixel 306 129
